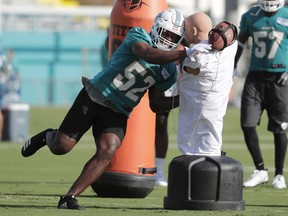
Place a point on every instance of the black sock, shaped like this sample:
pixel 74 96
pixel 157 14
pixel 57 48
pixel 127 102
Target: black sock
pixel 252 142
pixel 280 143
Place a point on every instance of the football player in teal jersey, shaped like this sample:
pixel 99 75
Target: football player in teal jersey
pixel 266 85
pixel 142 62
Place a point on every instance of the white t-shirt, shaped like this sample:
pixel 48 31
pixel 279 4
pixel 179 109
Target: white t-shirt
pixel 203 101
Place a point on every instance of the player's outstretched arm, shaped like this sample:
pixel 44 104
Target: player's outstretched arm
pixel 156 56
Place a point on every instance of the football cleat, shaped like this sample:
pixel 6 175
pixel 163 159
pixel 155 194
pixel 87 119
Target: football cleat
pixel 279 182
pixel 258 177
pixel 35 143
pixel 69 202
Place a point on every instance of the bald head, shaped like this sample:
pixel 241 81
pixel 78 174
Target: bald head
pixel 198 25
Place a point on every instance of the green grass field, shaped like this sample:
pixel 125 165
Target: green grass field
pixel 32 186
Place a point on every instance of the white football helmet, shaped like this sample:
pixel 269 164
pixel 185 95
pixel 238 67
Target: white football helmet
pixel 169 20
pixel 271 6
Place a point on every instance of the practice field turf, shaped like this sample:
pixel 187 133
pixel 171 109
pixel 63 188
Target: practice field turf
pixel 32 186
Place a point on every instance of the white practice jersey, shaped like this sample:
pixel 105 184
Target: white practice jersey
pixel 203 101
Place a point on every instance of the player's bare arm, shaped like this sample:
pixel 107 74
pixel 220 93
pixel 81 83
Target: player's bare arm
pixel 156 56
pixel 242 38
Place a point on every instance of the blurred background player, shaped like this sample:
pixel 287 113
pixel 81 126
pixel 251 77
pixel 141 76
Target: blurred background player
pixel 3 78
pixel 161 126
pixel 204 89
pixel 161 144
pixel 9 85
pixel 266 85
pixel 161 134
pixel 161 130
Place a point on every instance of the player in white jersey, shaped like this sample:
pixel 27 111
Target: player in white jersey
pixel 204 91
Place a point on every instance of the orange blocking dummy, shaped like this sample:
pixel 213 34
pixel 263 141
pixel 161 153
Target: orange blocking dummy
pixel 132 170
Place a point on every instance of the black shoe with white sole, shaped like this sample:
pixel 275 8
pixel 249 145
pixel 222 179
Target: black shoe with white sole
pixel 35 143
pixel 69 202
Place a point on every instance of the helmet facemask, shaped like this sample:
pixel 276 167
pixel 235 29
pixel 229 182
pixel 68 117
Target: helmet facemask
pixel 165 44
pixel 271 6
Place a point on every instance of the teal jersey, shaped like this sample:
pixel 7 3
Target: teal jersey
pixel 126 78
pixel 269 39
